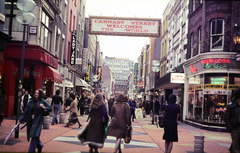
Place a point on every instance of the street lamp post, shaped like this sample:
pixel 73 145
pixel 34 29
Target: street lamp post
pixel 155 69
pixel 24 17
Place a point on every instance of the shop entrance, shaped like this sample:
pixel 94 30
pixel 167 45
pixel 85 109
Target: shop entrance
pixel 30 87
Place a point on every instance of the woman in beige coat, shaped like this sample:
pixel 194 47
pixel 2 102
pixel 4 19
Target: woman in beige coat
pixel 73 112
pixel 121 120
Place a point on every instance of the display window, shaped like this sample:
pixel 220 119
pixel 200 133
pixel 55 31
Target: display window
pixel 209 95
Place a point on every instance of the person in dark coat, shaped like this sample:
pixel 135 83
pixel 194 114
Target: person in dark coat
pixel 82 105
pixel 233 121
pixel 121 120
pixel 133 106
pixel 3 99
pixel 110 104
pixel 98 118
pixel 56 101
pixel 156 106
pixel 34 113
pixel 170 123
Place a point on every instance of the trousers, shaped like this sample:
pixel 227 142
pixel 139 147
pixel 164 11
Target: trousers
pixel 35 143
pixel 56 108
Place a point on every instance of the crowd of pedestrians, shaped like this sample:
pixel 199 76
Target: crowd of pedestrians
pixel 111 117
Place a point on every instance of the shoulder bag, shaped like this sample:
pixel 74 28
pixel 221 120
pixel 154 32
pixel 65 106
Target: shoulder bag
pixel 128 136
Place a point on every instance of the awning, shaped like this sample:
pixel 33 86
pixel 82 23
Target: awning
pixel 53 74
pixel 81 83
pixel 68 84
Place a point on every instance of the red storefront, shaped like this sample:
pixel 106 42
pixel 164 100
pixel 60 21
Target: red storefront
pixel 45 72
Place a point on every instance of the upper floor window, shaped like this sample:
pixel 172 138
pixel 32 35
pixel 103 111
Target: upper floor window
pixel 199 40
pixel 46 31
pixel 193 5
pixel 217 30
pixel 191 45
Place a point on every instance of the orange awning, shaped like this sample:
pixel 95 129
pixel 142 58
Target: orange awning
pixel 53 74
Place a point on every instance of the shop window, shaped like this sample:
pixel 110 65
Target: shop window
pixel 217 30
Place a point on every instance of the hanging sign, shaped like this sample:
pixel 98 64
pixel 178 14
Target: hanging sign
pixel 73 47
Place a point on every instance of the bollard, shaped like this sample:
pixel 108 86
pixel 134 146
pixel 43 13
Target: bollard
pixel 199 144
pixel 51 116
pixel 62 117
pixel 46 122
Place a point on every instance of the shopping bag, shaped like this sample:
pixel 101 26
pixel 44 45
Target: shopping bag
pixel 128 136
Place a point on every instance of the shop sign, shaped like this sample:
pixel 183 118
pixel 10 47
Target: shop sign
pixel 26 73
pixel 2 17
pixel 177 78
pixel 147 27
pixel 73 47
pixel 218 80
pixel 99 73
pixel 211 63
pixel 140 84
pixel 88 75
pixel 85 62
pixel 218 91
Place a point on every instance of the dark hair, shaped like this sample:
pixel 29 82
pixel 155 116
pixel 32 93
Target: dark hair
pixel 40 94
pixel 48 95
pixel 237 93
pixel 103 97
pixel 97 101
pixel 72 96
pixel 121 98
pixel 172 99
pixel 2 91
pixel 57 92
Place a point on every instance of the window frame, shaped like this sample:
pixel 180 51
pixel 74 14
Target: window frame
pixel 211 36
pixel 191 44
pixel 199 40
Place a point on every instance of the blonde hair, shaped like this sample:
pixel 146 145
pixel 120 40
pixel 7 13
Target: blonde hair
pixel 97 101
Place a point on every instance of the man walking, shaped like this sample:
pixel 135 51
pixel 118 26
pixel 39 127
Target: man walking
pixel 56 100
pixel 233 121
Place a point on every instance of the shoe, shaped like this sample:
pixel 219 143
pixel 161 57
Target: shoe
pixel 52 124
pixel 66 125
pixel 40 149
pixel 79 125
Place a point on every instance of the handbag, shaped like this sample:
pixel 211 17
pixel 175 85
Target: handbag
pixel 105 130
pixel 161 120
pixel 128 136
pixel 45 113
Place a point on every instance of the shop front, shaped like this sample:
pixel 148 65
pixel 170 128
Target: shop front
pixel 171 83
pixel 39 62
pixel 209 85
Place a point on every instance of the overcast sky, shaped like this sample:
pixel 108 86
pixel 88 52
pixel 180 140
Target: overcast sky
pixel 121 46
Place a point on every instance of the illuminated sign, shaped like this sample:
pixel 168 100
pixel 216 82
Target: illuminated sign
pixel 177 78
pixel 193 69
pixel 99 73
pixel 215 63
pixel 73 47
pixel 140 84
pixel 218 80
pixel 88 74
pixel 85 53
pixel 145 27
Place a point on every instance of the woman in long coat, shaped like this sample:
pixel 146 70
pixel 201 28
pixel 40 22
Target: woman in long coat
pixel 73 118
pixel 94 132
pixel 34 114
pixel 121 120
pixel 170 123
